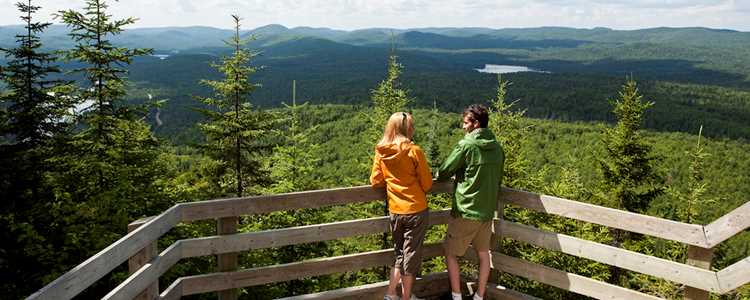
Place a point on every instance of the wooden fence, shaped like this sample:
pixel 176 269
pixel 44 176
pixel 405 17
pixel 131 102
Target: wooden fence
pixel 139 249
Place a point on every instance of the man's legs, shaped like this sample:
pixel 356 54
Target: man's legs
pixel 452 263
pixel 484 271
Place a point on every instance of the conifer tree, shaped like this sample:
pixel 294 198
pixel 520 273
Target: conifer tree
pixel 235 132
pixel 628 174
pixel 629 178
pixel 508 127
pixel 35 110
pixel 109 171
pixel 431 147
pixel 33 116
pixel 294 161
pixel 387 98
pixel 693 202
pixel 292 167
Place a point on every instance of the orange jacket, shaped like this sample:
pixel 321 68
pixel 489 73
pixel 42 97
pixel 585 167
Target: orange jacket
pixel 403 169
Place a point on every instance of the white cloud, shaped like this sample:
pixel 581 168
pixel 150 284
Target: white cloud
pixel 354 14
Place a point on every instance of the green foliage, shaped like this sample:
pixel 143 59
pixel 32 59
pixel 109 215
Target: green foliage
pixel 389 97
pixel 630 179
pixel 512 134
pixel 294 161
pixel 236 134
pixel 32 120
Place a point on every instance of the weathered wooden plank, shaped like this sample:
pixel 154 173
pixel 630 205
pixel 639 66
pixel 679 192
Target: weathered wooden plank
pixel 429 285
pixel 734 276
pixel 666 229
pixel 699 258
pixel 220 208
pixel 137 223
pixel 728 225
pixel 566 281
pixel 142 258
pixel 94 268
pixel 146 275
pixel 498 292
pixel 293 235
pixel 282 237
pixel 634 261
pixel 173 291
pixel 297 270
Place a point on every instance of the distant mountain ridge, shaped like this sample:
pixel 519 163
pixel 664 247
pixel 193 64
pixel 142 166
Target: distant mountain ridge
pixel 196 37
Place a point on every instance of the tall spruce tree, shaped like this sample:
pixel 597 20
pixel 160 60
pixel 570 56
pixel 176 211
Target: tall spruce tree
pixel 109 172
pixel 236 133
pixel 33 117
pixel 629 179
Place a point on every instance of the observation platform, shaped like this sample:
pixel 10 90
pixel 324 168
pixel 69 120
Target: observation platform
pixel 147 263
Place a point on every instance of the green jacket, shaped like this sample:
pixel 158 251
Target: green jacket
pixel 477 161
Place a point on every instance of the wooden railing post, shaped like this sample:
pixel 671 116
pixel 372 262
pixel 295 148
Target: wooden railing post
pixel 701 258
pixel 497 240
pixel 141 258
pixel 227 262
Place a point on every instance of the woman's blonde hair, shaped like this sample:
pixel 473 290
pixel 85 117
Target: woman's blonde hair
pixel 400 128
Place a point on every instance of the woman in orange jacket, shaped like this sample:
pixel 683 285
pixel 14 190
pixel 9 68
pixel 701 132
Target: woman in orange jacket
pixel 402 168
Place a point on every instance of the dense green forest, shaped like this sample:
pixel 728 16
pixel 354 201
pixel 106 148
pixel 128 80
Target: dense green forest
pixel 104 133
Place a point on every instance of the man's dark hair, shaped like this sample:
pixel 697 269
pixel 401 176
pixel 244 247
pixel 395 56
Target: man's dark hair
pixel 478 113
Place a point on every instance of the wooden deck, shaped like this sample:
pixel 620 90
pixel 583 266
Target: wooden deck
pixel 147 264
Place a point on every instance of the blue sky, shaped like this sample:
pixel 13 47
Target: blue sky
pixel 355 14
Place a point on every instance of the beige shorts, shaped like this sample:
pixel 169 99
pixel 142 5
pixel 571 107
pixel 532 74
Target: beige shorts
pixel 408 236
pixel 462 232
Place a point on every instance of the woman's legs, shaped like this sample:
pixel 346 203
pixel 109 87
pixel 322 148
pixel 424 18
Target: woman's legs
pixel 395 278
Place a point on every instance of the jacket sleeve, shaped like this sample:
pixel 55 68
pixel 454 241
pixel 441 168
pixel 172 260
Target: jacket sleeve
pixel 376 175
pixel 424 174
pixel 451 164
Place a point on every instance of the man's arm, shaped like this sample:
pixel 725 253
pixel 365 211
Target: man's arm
pixel 454 162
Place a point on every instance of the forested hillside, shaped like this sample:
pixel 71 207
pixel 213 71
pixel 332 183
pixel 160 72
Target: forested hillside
pixel 700 75
pixel 106 132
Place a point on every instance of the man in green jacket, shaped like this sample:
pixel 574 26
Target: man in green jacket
pixel 477 162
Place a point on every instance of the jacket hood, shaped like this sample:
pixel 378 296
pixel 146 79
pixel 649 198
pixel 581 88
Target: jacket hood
pixel 483 138
pixel 392 151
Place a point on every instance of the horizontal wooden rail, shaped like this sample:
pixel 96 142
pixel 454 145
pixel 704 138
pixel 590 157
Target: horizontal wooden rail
pixel 284 272
pixel 429 285
pixel 85 274
pixel 728 226
pixel 299 200
pixel 667 229
pixel 734 276
pixel 564 280
pixel 292 236
pixel 621 258
pixel 146 275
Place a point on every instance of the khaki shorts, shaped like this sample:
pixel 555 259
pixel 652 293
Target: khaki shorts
pixel 408 234
pixel 462 232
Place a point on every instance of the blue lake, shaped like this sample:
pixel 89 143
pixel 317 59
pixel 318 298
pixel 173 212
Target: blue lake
pixel 502 69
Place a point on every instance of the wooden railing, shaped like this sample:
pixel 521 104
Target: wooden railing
pixel 139 247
